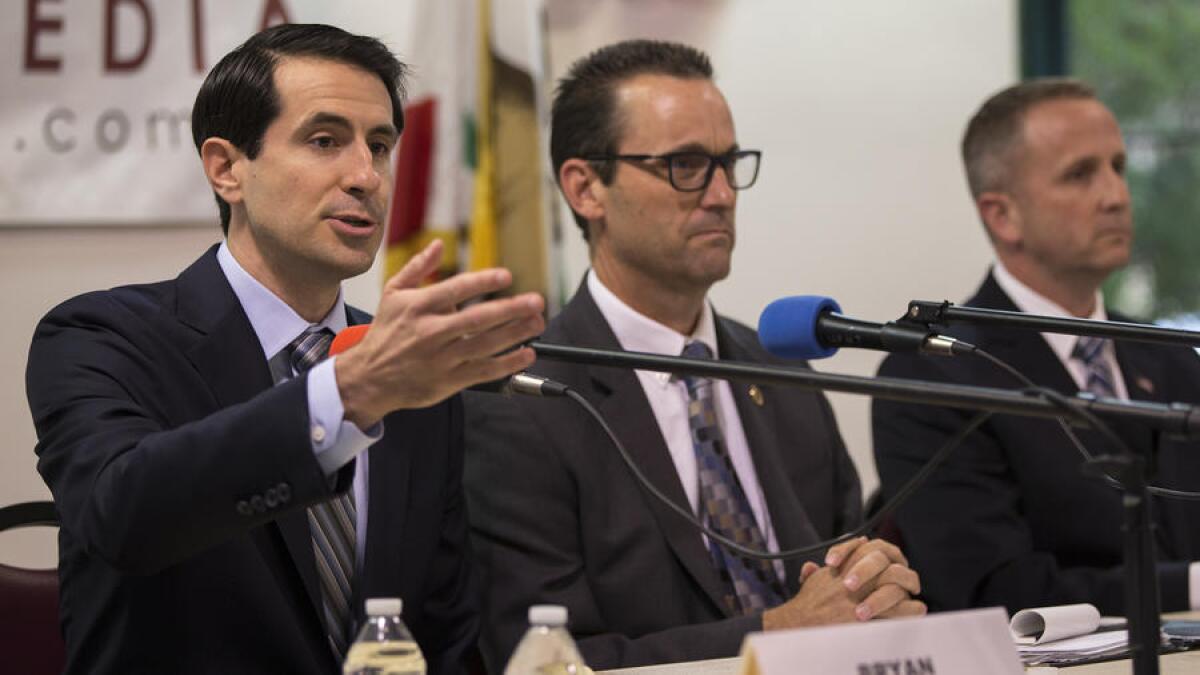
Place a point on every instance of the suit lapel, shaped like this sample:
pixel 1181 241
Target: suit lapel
pixel 229 358
pixel 389 478
pixel 1015 347
pixel 1142 371
pixel 791 523
pixel 619 397
pixel 389 470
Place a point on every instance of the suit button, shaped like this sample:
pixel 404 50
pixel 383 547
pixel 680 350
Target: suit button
pixel 258 504
pixel 285 492
pixel 272 497
pixel 244 508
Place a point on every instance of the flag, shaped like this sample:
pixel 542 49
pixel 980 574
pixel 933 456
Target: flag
pixel 472 168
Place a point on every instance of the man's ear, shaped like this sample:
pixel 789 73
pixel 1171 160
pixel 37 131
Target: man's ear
pixel 221 160
pixel 582 188
pixel 1001 216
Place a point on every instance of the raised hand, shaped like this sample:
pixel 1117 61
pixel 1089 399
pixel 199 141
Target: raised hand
pixel 422 347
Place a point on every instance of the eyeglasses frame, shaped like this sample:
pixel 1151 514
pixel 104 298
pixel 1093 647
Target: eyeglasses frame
pixel 725 161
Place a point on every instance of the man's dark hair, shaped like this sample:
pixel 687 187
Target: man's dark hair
pixel 584 120
pixel 238 99
pixel 994 133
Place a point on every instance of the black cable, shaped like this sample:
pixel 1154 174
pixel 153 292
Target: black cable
pixel 804 551
pixel 1092 420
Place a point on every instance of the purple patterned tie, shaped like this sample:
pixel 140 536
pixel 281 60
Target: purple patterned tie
pixel 754 585
pixel 332 522
pixel 1090 351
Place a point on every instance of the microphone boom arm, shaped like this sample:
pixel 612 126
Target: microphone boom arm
pixel 928 313
pixel 1176 418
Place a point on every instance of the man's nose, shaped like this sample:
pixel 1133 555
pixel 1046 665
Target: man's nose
pixel 720 192
pixel 1116 191
pixel 362 174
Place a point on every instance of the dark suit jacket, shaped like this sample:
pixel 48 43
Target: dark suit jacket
pixel 1010 519
pixel 181 476
pixel 558 518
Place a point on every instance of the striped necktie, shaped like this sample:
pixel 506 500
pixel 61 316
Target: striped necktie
pixel 332 522
pixel 1090 352
pixel 754 584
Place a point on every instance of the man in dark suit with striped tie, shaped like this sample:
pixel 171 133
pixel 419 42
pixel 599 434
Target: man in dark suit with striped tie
pixel 645 152
pixel 1010 519
pixel 229 495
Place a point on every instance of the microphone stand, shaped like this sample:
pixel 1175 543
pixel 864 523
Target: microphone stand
pixel 928 313
pixel 1141 579
pixel 1141 583
pixel 1141 575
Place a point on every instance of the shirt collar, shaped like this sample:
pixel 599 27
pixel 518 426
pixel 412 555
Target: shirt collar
pixel 274 322
pixel 1031 302
pixel 638 332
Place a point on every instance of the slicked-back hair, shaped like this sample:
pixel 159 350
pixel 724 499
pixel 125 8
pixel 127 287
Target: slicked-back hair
pixel 584 118
pixel 995 131
pixel 238 99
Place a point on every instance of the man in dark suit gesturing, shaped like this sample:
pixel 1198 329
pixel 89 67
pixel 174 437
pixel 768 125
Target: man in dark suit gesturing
pixel 1011 519
pixel 645 153
pixel 228 497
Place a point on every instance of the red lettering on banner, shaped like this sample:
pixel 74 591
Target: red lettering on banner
pixel 198 36
pixel 35 23
pixel 113 63
pixel 273 13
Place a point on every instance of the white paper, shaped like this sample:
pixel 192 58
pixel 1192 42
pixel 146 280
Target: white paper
pixel 1047 624
pixel 1093 644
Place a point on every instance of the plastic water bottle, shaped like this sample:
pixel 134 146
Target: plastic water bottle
pixel 384 646
pixel 547 648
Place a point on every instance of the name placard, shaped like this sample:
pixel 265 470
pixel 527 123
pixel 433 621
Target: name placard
pixel 973 641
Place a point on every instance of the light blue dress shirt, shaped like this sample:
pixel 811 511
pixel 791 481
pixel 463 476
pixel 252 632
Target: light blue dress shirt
pixel 335 440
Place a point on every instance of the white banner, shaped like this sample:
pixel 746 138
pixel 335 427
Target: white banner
pixel 97 94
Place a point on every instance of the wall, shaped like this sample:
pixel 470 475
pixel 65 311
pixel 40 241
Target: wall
pixel 858 106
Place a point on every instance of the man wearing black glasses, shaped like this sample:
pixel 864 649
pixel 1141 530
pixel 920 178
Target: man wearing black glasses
pixel 645 153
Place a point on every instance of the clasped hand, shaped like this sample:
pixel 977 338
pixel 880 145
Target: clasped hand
pixel 862 579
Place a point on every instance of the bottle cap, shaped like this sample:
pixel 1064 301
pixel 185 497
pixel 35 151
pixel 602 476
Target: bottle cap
pixel 548 615
pixel 384 606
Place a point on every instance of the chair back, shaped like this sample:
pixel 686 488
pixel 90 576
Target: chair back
pixel 30 636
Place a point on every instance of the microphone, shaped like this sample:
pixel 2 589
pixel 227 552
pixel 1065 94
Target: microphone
pixel 813 327
pixel 518 383
pixel 348 337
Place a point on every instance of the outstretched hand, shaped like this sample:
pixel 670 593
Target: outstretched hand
pixel 422 348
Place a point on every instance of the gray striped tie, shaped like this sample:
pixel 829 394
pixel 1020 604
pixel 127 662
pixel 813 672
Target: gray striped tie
pixel 331 522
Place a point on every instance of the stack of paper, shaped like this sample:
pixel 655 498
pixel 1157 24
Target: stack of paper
pixel 1066 634
pixel 1073 650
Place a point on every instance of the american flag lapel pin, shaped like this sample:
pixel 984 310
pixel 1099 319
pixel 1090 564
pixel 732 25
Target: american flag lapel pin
pixel 1144 384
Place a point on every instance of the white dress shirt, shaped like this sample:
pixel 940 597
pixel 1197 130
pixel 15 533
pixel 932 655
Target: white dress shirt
pixel 1031 302
pixel 335 440
pixel 669 400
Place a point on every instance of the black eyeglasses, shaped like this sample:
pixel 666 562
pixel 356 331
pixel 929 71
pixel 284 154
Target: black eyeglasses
pixel 692 171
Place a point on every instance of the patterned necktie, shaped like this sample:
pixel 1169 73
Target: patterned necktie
pixel 1090 352
pixel 723 504
pixel 332 522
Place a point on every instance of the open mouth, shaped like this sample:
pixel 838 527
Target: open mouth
pixel 355 221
